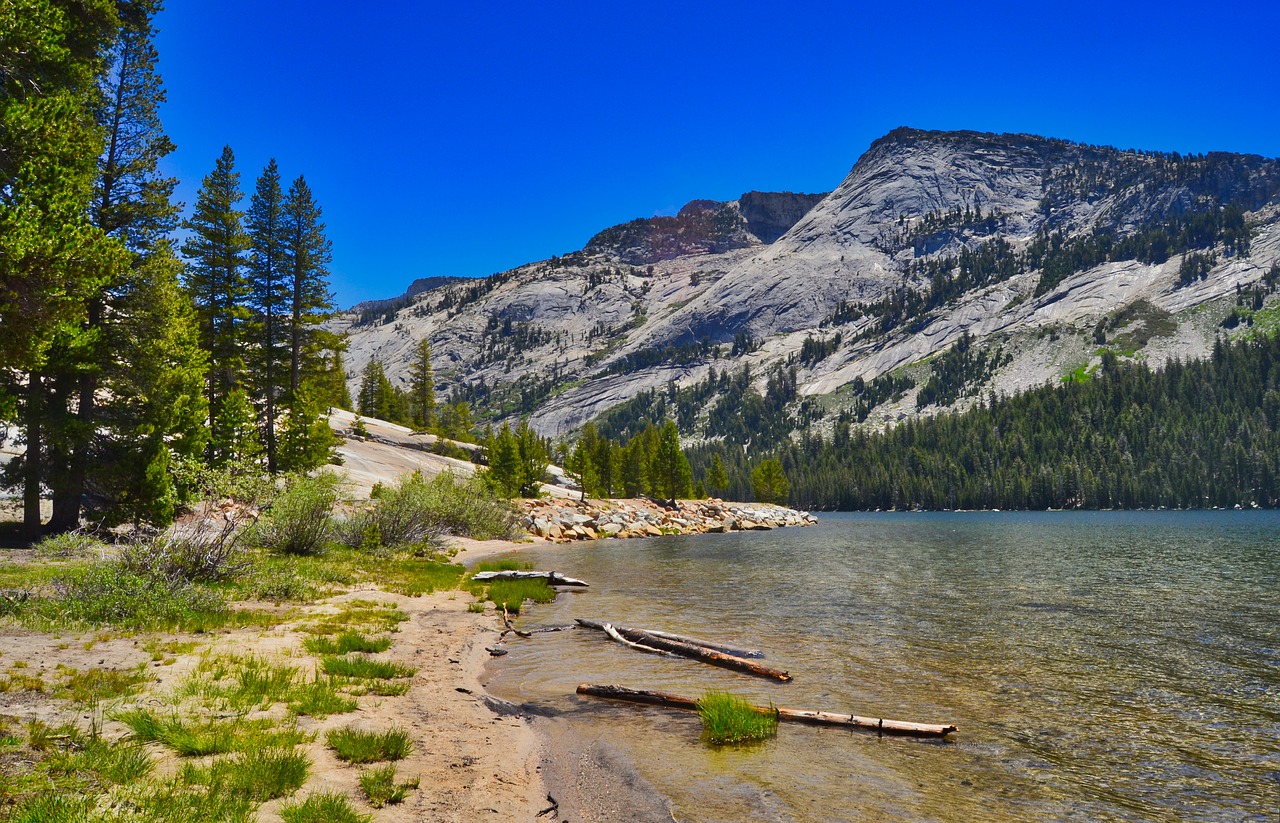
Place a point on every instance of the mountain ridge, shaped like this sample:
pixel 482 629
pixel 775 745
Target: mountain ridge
pixel 885 261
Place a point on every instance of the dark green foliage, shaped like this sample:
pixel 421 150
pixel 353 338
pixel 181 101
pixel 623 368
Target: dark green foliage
pixel 307 441
pixel 769 482
pixel 268 299
pixel 1193 435
pixel 517 461
pixel 672 477
pixel 378 398
pixel 959 371
pixel 218 285
pixel 422 388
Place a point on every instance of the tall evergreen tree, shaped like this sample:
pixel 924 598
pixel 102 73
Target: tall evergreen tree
pixel 422 389
pixel 218 286
pixel 131 204
pixel 672 477
pixel 270 301
pixel 53 260
pixel 307 253
pixel 717 481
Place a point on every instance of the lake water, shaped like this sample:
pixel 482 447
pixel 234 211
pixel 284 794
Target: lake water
pixel 1100 666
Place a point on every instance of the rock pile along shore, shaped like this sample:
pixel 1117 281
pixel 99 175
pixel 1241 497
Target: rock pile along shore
pixel 565 520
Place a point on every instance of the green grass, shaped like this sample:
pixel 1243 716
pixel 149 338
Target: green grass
pixel 380 787
pixel 513 593
pixel 261 775
pixel 355 746
pixel 476 607
pixel 323 808
pixel 730 719
pixel 321 698
pixel 345 643
pixel 365 667
pixel 365 615
pixel 190 738
pixel 506 564
pixel 88 686
pixel 241 683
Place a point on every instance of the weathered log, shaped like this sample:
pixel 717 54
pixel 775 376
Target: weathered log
pixel 849 721
pixel 552 578
pixel 612 632
pixel 506 621
pixel 706 655
pixel 707 644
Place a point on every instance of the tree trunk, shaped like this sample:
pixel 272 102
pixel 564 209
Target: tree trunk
pixel 31 465
pixel 848 721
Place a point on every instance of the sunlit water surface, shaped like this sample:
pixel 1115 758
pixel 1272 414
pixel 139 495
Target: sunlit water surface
pixel 1100 666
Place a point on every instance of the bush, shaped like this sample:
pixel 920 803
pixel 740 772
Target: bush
pixel 114 594
pixel 70 544
pixel 299 520
pixel 207 550
pixel 419 511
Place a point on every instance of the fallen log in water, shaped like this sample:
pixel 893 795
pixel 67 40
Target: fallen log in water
pixel 707 644
pixel 848 721
pixel 552 578
pixel 684 649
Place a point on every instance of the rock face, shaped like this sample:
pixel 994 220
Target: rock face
pixel 663 300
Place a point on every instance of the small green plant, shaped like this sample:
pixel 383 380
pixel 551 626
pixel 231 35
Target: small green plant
pixel 365 667
pixel 380 787
pixel 476 607
pixel 198 739
pixel 355 746
pixel 264 774
pixel 345 643
pixel 91 685
pixel 70 545
pixel 323 808
pixel 730 719
pixel 321 698
pixel 506 564
pixel 513 593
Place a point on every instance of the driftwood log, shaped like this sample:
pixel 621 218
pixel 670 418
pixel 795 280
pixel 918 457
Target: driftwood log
pixel 552 578
pixel 849 721
pixel 688 649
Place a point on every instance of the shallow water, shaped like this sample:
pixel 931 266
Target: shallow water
pixel 1100 666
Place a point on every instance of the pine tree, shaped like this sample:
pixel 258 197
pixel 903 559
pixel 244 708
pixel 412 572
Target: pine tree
pixel 716 481
pixel 157 408
pixel 307 253
pixel 307 441
pixel 422 390
pixel 770 482
pixel 269 299
pixel 217 283
pixel 53 260
pixel 503 472
pixel 672 477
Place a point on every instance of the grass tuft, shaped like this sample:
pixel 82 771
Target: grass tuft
pixel 355 746
pixel 513 593
pixel 365 667
pixel 319 699
pixel 198 739
pixel 345 643
pixel 380 787
pixel 261 775
pixel 323 808
pixel 730 719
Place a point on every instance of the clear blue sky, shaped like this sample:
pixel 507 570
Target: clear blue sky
pixel 463 138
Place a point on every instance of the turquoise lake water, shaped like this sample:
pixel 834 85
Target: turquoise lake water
pixel 1100 666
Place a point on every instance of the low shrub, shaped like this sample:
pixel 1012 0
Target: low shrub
pixel 111 593
pixel 299 521
pixel 418 511
pixel 207 550
pixel 70 545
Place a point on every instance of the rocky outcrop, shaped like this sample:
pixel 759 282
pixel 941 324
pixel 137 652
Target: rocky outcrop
pixel 567 520
pixel 770 215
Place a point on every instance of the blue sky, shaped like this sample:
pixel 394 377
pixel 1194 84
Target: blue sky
pixel 452 138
